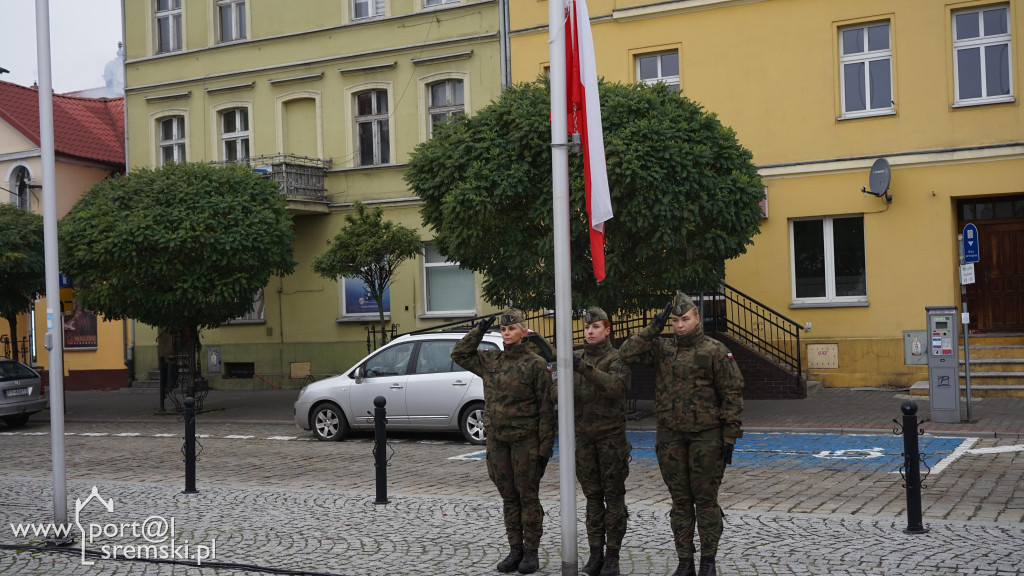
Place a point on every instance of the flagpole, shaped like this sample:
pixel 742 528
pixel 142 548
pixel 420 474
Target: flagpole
pixel 54 342
pixel 563 288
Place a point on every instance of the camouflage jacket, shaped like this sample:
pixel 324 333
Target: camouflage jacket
pixel 599 392
pixel 517 390
pixel 698 385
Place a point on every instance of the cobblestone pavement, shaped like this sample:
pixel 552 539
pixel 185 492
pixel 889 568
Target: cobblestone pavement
pixel 309 506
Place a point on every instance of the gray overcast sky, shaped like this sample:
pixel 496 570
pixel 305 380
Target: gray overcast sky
pixel 83 38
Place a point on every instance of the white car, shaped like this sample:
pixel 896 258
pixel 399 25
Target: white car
pixel 425 390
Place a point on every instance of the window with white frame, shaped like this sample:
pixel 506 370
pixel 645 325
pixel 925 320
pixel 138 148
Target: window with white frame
pixel 429 3
pixel 231 20
pixel 234 134
pixel 828 260
pixel 982 54
pixel 373 141
pixel 865 56
pixel 660 67
pixel 168 25
pixel 172 139
pixel 367 8
pixel 450 289
pixel 446 101
pixel 257 313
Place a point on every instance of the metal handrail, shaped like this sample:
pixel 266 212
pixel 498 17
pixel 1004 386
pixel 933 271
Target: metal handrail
pixel 751 323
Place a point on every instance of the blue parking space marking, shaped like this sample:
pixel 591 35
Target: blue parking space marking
pixel 819 451
pixel 834 452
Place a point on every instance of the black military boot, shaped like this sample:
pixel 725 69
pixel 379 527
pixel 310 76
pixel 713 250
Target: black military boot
pixel 530 562
pixel 686 568
pixel 511 562
pixel 594 563
pixel 611 563
pixel 707 566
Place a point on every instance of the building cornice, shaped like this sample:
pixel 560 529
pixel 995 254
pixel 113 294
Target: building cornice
pixel 286 65
pixel 914 158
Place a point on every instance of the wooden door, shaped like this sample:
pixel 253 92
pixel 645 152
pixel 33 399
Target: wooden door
pixel 996 299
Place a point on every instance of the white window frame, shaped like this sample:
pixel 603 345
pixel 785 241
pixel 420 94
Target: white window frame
pixel 239 137
pixel 376 119
pixel 432 3
pixel 427 267
pixel 21 199
pixel 981 43
pixel 237 11
pixel 257 314
pixel 865 57
pixel 448 108
pixel 374 9
pixel 172 14
pixel 176 143
pixel 830 297
pixel 670 80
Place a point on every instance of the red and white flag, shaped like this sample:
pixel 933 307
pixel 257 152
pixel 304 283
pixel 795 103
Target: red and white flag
pixel 585 118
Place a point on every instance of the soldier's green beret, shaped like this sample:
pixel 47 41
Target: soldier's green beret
pixel 594 314
pixel 512 316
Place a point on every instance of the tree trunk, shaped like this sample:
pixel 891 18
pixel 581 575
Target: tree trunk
pixel 12 321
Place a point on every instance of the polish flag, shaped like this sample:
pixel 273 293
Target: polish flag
pixel 585 118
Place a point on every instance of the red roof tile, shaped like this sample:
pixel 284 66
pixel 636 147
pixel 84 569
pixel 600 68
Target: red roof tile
pixel 90 128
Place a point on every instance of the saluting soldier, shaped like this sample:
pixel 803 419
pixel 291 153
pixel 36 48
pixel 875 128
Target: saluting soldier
pixel 519 418
pixel 601 381
pixel 698 399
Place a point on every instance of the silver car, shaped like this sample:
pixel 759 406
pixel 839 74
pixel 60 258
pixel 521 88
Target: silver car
pixel 425 390
pixel 21 392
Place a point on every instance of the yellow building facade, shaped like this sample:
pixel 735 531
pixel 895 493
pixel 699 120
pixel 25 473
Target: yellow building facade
pixel 329 97
pixel 88 142
pixel 819 91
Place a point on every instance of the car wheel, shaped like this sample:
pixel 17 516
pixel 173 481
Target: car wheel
pixel 328 423
pixel 471 423
pixel 16 421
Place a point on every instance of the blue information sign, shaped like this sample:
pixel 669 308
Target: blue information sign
pixel 971 253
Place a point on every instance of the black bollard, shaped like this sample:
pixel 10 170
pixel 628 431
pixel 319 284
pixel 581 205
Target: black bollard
pixel 912 464
pixel 190 446
pixel 380 441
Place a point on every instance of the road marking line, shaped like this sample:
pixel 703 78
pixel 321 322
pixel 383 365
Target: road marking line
pixel 956 454
pixel 997 449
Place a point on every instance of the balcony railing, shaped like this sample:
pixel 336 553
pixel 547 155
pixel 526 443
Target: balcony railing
pixel 297 177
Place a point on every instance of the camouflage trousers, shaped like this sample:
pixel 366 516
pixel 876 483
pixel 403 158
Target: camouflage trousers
pixel 513 468
pixel 692 466
pixel 601 468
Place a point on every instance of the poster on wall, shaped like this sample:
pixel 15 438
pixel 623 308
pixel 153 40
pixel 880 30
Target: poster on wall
pixel 359 302
pixel 79 328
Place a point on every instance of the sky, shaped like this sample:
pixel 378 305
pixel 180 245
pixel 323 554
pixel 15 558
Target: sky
pixel 83 38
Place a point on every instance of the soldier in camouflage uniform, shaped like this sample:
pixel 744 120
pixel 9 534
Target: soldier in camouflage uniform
pixel 698 399
pixel 600 384
pixel 520 421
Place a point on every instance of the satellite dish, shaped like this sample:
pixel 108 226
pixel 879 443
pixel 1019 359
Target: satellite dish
pixel 879 178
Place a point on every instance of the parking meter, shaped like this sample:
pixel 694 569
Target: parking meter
pixel 943 363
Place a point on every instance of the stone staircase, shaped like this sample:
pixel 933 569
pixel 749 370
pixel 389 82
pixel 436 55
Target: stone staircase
pixel 997 367
pixel 150 384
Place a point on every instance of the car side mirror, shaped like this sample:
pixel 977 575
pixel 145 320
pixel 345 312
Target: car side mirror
pixel 358 374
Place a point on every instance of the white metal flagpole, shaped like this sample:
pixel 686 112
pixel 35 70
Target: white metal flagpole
pixel 54 342
pixel 563 287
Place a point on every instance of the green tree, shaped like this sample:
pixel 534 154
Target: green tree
pixel 371 249
pixel 22 265
pixel 684 191
pixel 183 247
